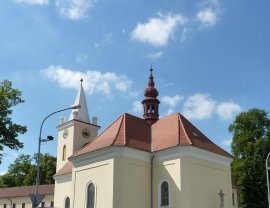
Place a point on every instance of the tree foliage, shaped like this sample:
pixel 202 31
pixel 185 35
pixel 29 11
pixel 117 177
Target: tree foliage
pixel 250 146
pixel 9 131
pixel 23 172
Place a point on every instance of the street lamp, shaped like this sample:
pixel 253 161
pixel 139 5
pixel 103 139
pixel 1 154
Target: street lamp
pixel 36 202
pixel 267 178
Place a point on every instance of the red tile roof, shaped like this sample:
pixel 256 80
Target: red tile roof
pixel 127 130
pixel 25 191
pixel 176 130
pixel 67 168
pixel 167 132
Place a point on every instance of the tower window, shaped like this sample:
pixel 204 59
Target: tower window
pixel 91 195
pixel 23 205
pixel 64 153
pixel 164 196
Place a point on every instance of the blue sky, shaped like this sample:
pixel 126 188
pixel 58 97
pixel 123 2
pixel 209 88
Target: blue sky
pixel 210 59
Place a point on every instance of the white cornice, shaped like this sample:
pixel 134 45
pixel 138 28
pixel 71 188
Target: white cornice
pixel 194 152
pixel 167 154
pixel 108 153
pixel 63 178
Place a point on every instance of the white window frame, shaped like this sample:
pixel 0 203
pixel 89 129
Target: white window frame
pixel 159 194
pixel 95 197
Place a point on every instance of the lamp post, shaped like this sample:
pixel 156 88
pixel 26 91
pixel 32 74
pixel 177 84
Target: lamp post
pixel 267 178
pixel 35 204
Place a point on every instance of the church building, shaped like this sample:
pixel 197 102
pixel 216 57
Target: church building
pixel 147 162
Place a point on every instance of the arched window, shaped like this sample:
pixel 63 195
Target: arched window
pixel 90 195
pixel 64 153
pixel 164 194
pixel 67 202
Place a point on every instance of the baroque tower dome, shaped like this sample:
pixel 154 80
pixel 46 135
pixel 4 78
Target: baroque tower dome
pixel 151 103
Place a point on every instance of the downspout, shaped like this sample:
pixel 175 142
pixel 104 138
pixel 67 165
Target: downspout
pixel 151 168
pixel 152 158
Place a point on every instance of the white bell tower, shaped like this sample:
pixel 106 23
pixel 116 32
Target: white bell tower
pixel 77 131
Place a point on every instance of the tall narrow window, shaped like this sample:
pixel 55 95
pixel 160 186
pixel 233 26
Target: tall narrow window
pixel 5 206
pixel 91 194
pixel 42 204
pixel 67 202
pixel 64 153
pixel 23 205
pixel 164 194
pixel 52 204
pixel 14 205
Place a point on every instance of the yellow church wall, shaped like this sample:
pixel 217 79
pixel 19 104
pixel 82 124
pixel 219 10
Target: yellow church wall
pixel 131 183
pixel 203 180
pixel 101 174
pixel 62 190
pixel 74 141
pixel 169 171
pixel 28 204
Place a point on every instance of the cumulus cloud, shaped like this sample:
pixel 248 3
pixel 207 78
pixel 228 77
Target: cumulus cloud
pixel 202 106
pixel 227 110
pixel 172 101
pixel 226 142
pixel 74 9
pixel 199 106
pixel 94 81
pixel 33 2
pixel 137 107
pixel 157 31
pixel 207 16
pixel 155 56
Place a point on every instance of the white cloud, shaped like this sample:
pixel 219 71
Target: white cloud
pixel 74 9
pixel 94 81
pixel 226 142
pixel 33 2
pixel 3 172
pixel 137 107
pixel 199 106
pixel 172 101
pixel 81 58
pixel 157 31
pixel 155 56
pixel 207 16
pixel 227 110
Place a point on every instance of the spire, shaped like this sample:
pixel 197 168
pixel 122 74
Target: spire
pixel 80 114
pixel 151 103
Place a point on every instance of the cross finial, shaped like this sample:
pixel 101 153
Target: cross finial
pixel 81 81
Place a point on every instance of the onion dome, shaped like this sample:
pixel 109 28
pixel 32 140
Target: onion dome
pixel 151 91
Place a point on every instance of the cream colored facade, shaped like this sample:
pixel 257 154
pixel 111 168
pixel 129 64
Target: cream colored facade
pixel 125 177
pixel 18 201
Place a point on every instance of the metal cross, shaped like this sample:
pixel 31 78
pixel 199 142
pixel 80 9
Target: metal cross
pixel 221 195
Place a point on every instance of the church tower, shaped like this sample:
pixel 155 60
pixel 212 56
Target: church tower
pixel 151 103
pixel 77 131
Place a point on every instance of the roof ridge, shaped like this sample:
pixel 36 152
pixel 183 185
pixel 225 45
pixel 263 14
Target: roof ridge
pixel 123 116
pixel 181 123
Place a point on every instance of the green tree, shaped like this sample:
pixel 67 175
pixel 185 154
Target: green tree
pixel 250 146
pixel 23 172
pixel 9 131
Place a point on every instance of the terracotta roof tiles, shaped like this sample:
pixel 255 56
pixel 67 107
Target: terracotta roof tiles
pixel 167 132
pixel 67 168
pixel 26 190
